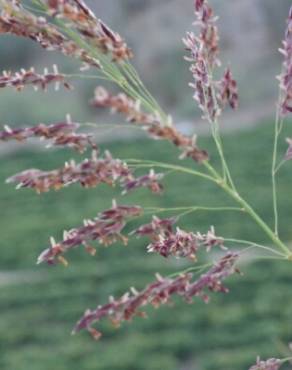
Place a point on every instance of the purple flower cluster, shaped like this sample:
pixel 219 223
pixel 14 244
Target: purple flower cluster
pixel 121 103
pixel 60 134
pixel 210 95
pixel 208 38
pixel 179 243
pixel 23 78
pixel 159 292
pixel 94 30
pixel 156 228
pixel 228 92
pixel 150 181
pixel 270 364
pixel 286 76
pixel 106 228
pixel 14 19
pixel 89 173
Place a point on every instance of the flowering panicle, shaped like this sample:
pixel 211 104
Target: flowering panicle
pixel 89 173
pixel 208 37
pixel 150 181
pixel 184 244
pixel 23 78
pixel 106 228
pixel 286 76
pixel 16 20
pixel 210 239
pixel 213 278
pixel 94 30
pixel 122 103
pixel 167 242
pixel 156 228
pixel 178 244
pixel 151 123
pixel 270 364
pixel 228 92
pixel 60 134
pixel 202 81
pixel 210 95
pixel 157 293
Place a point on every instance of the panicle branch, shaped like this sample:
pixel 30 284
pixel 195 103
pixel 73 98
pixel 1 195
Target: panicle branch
pixel 59 134
pixel 270 364
pixel 96 32
pixel 286 76
pixel 106 228
pixel 14 19
pixel 152 123
pixel 179 243
pixel 150 181
pixel 23 78
pixel 211 96
pixel 88 173
pixel 227 90
pixel 160 292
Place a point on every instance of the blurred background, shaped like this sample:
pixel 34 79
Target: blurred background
pixel 39 305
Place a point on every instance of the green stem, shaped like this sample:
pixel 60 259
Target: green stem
pixel 253 245
pixel 110 126
pixel 274 163
pixel 145 163
pixel 194 209
pixel 135 79
pixel 216 131
pixel 235 195
pixel 280 165
pixel 283 360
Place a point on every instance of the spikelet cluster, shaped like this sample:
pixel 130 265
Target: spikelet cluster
pixel 159 292
pixel 24 78
pixel 270 364
pixel 106 228
pixel 58 134
pixel 211 96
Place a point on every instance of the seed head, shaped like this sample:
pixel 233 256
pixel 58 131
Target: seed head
pixel 106 228
pixel 157 293
pixel 270 364
pixel 286 76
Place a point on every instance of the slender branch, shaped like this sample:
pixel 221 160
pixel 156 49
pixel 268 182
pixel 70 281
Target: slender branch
pixel 111 126
pixel 280 165
pixel 253 245
pixel 286 359
pixel 216 131
pixel 193 209
pixel 145 163
pixel 277 132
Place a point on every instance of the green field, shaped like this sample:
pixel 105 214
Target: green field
pixel 39 304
